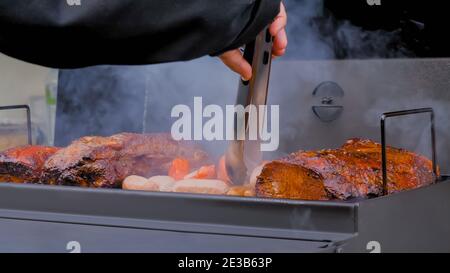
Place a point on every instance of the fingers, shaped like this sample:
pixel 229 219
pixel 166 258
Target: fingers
pixel 279 22
pixel 236 62
pixel 280 44
pixel 277 29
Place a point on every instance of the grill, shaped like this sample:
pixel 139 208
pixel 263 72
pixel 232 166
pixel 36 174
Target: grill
pixel 49 218
pixel 322 103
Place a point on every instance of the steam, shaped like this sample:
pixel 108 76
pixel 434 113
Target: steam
pixel 140 99
pixel 105 100
pixel 314 33
pixel 414 132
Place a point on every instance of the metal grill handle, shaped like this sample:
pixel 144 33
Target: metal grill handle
pixel 27 109
pixel 384 117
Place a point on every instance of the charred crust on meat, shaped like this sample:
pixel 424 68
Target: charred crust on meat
pixel 24 164
pixel 103 162
pixel 350 172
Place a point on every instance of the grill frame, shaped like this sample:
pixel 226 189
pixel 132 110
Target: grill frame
pixel 227 215
pixel 262 224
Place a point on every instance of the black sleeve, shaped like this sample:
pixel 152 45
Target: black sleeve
pixel 63 34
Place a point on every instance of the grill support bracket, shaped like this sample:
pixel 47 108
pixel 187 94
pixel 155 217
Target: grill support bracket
pixel 410 112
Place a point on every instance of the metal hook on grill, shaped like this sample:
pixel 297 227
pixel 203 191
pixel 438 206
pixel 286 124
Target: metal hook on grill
pixel 384 117
pixel 27 109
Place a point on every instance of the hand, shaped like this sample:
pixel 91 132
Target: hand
pixel 236 62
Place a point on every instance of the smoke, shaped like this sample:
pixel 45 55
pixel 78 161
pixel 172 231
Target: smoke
pixel 414 132
pixel 105 100
pixel 305 38
pixel 109 99
pixel 315 33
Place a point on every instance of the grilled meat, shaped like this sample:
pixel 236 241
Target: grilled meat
pixel 107 161
pixel 281 179
pixel 353 171
pixel 24 164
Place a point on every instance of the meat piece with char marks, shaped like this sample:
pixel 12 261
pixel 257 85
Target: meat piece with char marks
pixel 353 171
pixel 104 162
pixel 24 164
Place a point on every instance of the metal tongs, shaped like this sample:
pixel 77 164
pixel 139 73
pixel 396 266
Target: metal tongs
pixel 242 156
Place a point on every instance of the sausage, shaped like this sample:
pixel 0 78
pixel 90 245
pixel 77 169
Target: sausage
pixel 139 183
pixel 179 169
pixel 205 172
pixel 207 186
pixel 164 182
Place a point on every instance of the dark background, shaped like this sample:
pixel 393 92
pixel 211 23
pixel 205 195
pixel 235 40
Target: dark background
pixel 420 27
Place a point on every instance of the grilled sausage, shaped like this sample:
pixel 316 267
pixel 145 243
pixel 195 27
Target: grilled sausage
pixel 207 186
pixel 164 183
pixel 139 183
